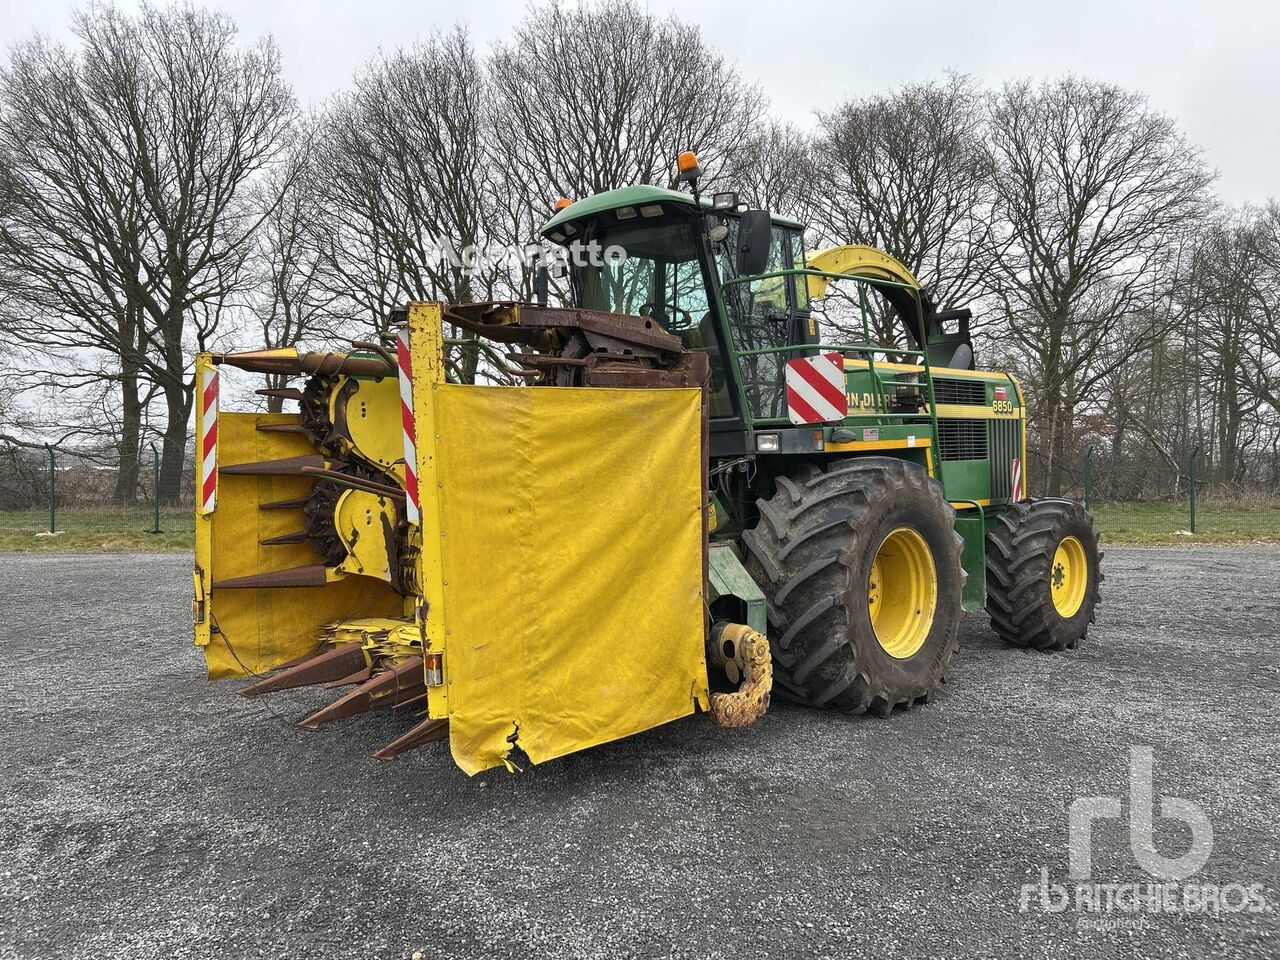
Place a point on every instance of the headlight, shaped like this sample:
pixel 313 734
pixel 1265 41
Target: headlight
pixel 767 442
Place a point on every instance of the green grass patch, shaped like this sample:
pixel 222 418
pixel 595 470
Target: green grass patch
pixel 1171 522
pixel 109 530
pixel 104 530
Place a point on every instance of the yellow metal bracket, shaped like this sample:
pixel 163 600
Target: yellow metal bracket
pixel 744 656
pixel 426 352
pixel 365 523
pixel 855 260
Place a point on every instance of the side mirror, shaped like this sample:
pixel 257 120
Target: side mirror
pixel 753 242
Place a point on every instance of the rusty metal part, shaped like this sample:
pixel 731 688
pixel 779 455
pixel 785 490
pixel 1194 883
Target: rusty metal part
pixel 494 321
pixel 744 655
pixel 323 667
pixel 295 429
pixel 360 676
pixel 297 536
pixel 403 696
pixel 284 393
pixel 428 731
pixel 536 326
pixel 607 370
pixel 577 365
pixel 542 361
pixel 315 411
pixel 391 685
pixel 351 479
pixel 284 467
pixel 288 362
pixel 377 348
pixel 338 435
pixel 315 575
pixel 319 519
pixel 409 544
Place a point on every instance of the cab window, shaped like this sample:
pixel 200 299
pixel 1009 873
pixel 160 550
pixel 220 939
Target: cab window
pixel 661 277
pixel 800 284
pixel 762 316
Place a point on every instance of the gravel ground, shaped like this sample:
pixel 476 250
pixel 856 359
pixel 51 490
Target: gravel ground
pixel 148 813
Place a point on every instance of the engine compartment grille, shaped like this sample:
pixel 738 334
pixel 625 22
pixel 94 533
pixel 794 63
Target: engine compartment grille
pixel 962 439
pixel 1006 445
pixel 953 390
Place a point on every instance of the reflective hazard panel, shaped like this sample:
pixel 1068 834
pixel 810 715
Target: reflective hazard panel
pixel 816 389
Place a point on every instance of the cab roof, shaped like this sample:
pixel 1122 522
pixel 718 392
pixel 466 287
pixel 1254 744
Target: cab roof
pixel 631 197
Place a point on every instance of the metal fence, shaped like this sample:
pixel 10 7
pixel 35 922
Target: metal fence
pixel 1192 509
pixel 67 495
pixel 66 499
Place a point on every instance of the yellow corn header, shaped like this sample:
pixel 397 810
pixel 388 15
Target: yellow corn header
pixel 523 570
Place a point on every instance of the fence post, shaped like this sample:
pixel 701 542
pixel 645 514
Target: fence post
pixel 1191 486
pixel 155 487
pixel 53 490
pixel 1088 476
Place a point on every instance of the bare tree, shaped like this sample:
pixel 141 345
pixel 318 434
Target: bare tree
pixel 405 180
pixel 292 297
pixel 71 228
pixel 154 129
pixel 1094 192
pixel 907 173
pixel 604 95
pixel 1261 363
pixel 207 118
pixel 1223 261
pixel 774 169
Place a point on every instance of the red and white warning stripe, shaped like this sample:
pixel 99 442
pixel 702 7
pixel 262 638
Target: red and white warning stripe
pixel 1016 487
pixel 209 440
pixel 816 389
pixel 405 363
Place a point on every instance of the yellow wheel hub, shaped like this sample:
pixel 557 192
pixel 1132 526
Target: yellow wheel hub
pixel 902 592
pixel 1068 577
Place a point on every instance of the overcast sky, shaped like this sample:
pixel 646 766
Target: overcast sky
pixel 1213 66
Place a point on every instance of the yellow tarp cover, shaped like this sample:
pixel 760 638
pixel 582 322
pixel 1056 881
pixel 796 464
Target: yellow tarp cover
pixel 266 628
pixel 572 561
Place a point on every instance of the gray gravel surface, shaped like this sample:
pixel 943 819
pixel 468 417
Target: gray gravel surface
pixel 145 812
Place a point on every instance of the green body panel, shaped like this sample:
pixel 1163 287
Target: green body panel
pixel 612 199
pixel 967 479
pixel 631 197
pixel 728 578
pixel 973 558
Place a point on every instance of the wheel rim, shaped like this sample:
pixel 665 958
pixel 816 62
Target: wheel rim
pixel 902 592
pixel 1068 577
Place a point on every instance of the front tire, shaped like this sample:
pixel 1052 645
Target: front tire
pixel 1043 574
pixel 860 564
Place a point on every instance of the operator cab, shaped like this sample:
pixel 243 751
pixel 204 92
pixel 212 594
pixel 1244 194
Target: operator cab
pixel 708 272
pixel 656 253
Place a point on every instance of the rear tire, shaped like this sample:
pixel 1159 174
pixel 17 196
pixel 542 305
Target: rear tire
pixel 1043 574
pixel 868 537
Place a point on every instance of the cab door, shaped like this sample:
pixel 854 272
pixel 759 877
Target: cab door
pixel 767 314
